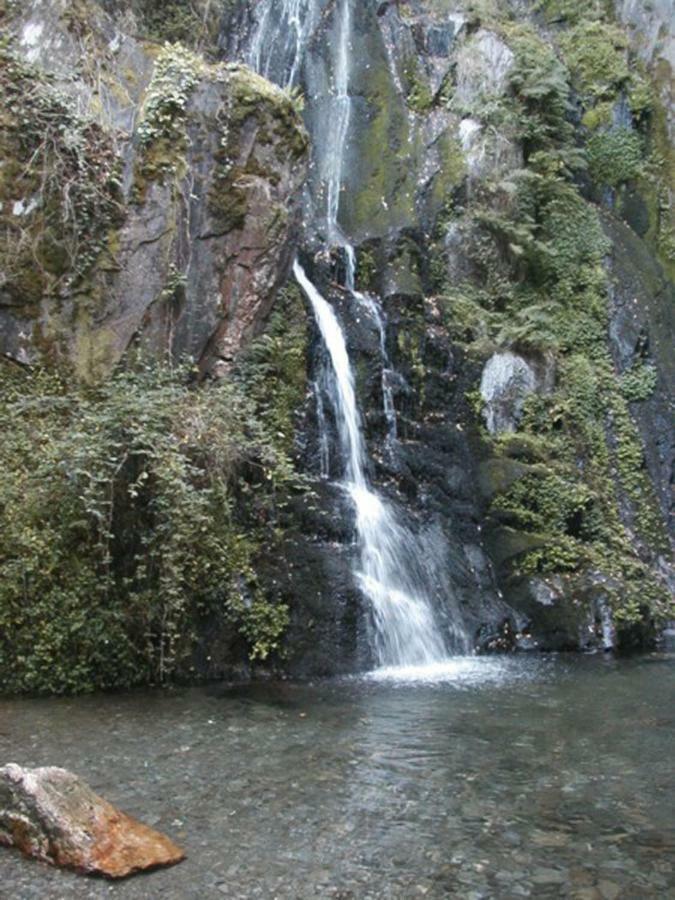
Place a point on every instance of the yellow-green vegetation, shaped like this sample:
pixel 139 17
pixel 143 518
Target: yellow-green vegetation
pixel 129 513
pixel 162 132
pixel 606 76
pixel 597 55
pixel 615 156
pixel 388 195
pixel 573 11
pixel 420 97
pixel 251 97
pixel 274 368
pixel 638 383
pixel 59 186
pixel 194 23
pixel 580 494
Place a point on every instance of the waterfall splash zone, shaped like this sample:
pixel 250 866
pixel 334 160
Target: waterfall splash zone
pixel 392 572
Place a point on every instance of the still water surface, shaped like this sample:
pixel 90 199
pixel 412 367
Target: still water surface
pixel 511 777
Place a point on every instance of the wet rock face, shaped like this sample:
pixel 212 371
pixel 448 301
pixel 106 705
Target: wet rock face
pixel 650 28
pixel 642 333
pixel 203 166
pixel 53 816
pixel 436 151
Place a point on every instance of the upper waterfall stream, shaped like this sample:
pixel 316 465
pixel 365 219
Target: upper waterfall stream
pixel 392 570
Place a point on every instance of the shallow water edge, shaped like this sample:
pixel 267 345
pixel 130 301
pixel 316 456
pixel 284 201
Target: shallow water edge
pixel 509 777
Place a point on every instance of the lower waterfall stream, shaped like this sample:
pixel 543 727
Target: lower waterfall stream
pixel 391 569
pixel 405 633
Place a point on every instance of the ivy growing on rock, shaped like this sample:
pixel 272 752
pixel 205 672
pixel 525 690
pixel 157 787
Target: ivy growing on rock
pixel 162 130
pixel 60 186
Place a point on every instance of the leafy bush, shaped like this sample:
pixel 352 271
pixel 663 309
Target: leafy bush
pixel 639 383
pixel 128 512
pixel 596 54
pixel 614 156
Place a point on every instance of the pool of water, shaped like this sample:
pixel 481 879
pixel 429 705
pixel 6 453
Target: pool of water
pixel 495 777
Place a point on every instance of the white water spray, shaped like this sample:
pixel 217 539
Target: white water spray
pixel 336 139
pixel 279 38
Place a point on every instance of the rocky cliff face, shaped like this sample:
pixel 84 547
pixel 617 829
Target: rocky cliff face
pixel 507 183
pixel 148 198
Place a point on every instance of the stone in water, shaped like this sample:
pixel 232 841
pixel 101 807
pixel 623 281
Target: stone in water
pixel 52 815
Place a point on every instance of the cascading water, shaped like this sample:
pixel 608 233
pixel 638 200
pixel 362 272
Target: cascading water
pixel 392 570
pixel 278 40
pixel 336 140
pixel 405 629
pixel 372 307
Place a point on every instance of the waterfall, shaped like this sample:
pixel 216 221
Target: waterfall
pixel 374 310
pixel 393 569
pixel 279 37
pixel 336 139
pixel 389 572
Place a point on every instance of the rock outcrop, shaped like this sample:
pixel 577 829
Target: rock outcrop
pixel 53 816
pixel 506 383
pixel 489 164
pixel 147 198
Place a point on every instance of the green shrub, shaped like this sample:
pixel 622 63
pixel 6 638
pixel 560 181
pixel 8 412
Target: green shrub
pixel 638 383
pixel 596 54
pixel 614 156
pixel 127 513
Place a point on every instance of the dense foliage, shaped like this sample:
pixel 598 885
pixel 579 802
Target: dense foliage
pixel 539 283
pixel 129 512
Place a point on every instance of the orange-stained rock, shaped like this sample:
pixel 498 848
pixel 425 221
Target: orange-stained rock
pixel 52 815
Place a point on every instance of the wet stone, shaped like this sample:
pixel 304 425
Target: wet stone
pixel 50 814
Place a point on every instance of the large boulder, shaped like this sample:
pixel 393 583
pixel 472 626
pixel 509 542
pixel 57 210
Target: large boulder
pixel 507 381
pixel 52 815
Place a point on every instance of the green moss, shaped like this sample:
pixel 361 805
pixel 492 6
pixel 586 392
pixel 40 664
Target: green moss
pixel 387 184
pixel 574 11
pixel 419 95
pixel 658 180
pixel 615 156
pixel 251 97
pixel 452 170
